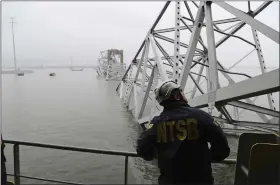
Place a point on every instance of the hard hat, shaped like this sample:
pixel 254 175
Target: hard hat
pixel 164 89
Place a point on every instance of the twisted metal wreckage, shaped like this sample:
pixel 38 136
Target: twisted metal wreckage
pixel 141 77
pixel 111 64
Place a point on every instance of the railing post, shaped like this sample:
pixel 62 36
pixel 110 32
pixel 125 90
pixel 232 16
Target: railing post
pixel 16 165
pixel 125 170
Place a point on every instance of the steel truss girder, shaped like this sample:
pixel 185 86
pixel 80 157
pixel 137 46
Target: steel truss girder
pixel 159 62
pixel 243 126
pixel 256 124
pixel 192 46
pixel 145 60
pixel 172 41
pixel 172 57
pixel 145 98
pixel 254 108
pixel 191 26
pixel 229 95
pixel 242 23
pixel 255 86
pixel 176 42
pixel 213 72
pixel 269 32
pixel 262 64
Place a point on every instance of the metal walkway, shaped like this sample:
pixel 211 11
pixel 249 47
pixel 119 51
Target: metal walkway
pixel 194 23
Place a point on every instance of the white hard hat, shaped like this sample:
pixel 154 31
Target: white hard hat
pixel 164 89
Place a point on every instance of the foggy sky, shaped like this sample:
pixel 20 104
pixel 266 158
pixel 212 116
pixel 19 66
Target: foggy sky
pixel 53 32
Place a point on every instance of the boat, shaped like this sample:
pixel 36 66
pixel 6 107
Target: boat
pixel 73 68
pixel 76 69
pixel 52 74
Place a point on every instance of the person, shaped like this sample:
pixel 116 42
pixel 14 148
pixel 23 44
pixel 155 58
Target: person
pixel 179 138
pixel 3 165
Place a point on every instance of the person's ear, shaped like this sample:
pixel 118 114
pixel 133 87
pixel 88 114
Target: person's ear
pixel 177 96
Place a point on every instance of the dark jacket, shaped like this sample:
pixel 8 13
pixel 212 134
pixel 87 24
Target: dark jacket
pixel 180 135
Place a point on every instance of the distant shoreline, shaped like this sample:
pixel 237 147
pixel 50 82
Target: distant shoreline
pixel 46 67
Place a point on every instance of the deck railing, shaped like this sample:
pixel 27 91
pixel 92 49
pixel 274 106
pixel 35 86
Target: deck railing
pixel 16 155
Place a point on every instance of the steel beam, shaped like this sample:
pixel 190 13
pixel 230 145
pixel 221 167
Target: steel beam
pixel 262 64
pixel 241 60
pixel 200 38
pixel 231 81
pixel 232 26
pixel 192 46
pixel 181 56
pixel 144 69
pixel 136 104
pixel 154 102
pixel 213 72
pixel 188 19
pixel 165 54
pixel 256 124
pixel 197 80
pixel 196 84
pixel 269 32
pixel 145 98
pixel 255 86
pixel 253 14
pixel 173 42
pixel 140 62
pixel 239 131
pixel 153 27
pixel 254 108
pixel 267 130
pixel 160 14
pixel 170 40
pixel 234 91
pixel 223 21
pixel 176 42
pixel 142 45
pixel 222 40
pixel 165 30
pixel 189 10
pixel 248 42
pixel 159 63
pixel 245 124
pixel 128 86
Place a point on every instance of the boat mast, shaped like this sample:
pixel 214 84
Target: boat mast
pixel 15 60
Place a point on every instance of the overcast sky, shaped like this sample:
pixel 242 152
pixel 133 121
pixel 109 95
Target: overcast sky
pixel 53 32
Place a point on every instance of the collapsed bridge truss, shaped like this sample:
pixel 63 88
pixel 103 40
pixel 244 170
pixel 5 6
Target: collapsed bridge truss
pixel 111 64
pixel 243 102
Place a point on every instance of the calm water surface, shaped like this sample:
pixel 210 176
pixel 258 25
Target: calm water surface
pixel 78 109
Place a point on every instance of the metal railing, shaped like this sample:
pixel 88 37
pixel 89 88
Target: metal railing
pixel 16 154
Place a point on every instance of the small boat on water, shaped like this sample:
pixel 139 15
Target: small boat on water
pixel 76 69
pixel 72 68
pixel 20 74
pixel 52 74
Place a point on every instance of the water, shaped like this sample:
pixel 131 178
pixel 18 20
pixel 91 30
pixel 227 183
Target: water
pixel 72 108
pixel 78 109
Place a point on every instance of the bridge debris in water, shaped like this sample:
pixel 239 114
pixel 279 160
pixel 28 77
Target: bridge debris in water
pixel 111 64
pixel 242 102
